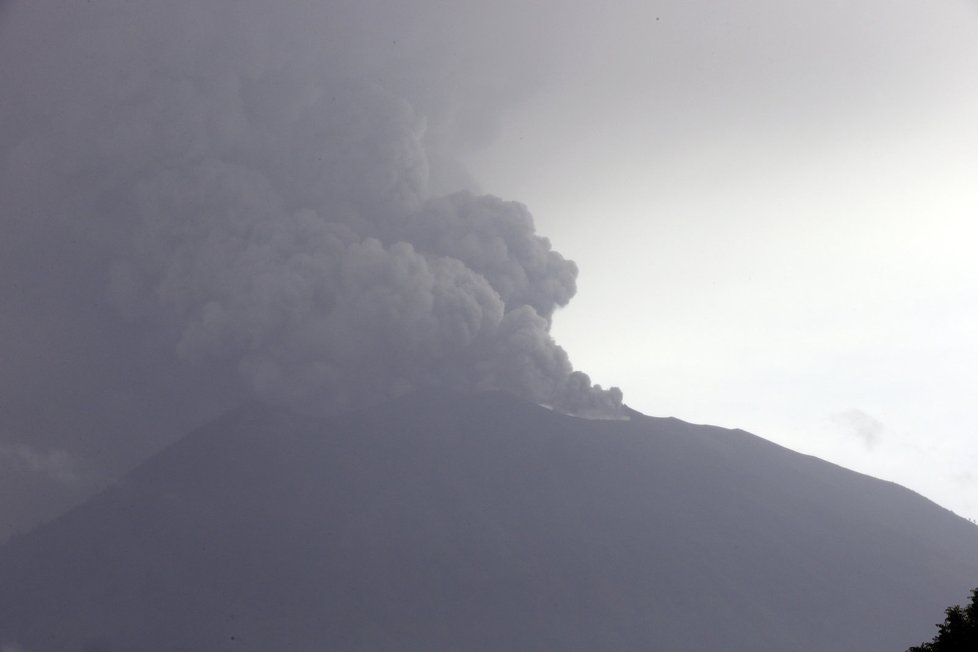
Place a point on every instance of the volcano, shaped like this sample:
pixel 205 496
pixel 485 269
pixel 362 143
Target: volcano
pixel 444 521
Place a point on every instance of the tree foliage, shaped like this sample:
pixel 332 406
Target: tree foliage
pixel 958 632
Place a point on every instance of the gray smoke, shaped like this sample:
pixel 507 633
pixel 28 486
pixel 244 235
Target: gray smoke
pixel 244 190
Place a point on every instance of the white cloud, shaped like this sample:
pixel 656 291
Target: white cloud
pixel 56 464
pixel 860 425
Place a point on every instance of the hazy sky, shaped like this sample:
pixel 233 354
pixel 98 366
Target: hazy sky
pixel 770 205
pixel 773 206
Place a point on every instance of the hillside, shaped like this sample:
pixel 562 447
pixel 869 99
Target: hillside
pixel 453 522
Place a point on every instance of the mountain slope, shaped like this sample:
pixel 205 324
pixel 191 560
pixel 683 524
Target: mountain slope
pixel 483 522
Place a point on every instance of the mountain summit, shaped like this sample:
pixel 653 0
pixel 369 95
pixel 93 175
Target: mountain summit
pixel 484 523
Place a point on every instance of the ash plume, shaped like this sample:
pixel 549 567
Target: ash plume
pixel 245 191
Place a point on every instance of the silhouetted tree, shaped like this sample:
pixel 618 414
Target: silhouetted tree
pixel 958 632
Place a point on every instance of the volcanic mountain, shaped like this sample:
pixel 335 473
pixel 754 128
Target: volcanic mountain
pixel 444 521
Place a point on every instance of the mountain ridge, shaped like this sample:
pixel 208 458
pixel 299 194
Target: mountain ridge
pixel 482 522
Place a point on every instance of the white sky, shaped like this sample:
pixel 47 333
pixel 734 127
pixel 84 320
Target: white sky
pixel 773 206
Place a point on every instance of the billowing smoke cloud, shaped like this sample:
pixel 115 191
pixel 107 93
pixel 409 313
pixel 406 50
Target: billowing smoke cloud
pixel 249 196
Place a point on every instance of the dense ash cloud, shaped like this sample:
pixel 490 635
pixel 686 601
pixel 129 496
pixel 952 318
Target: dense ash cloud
pixel 283 226
pixel 209 200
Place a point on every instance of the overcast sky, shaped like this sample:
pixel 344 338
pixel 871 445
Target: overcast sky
pixel 770 205
pixel 773 205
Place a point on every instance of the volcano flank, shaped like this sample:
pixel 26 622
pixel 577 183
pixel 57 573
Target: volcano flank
pixel 444 521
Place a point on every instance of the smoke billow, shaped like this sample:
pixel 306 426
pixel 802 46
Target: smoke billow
pixel 247 190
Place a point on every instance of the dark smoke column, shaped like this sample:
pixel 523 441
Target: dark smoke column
pixel 270 218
